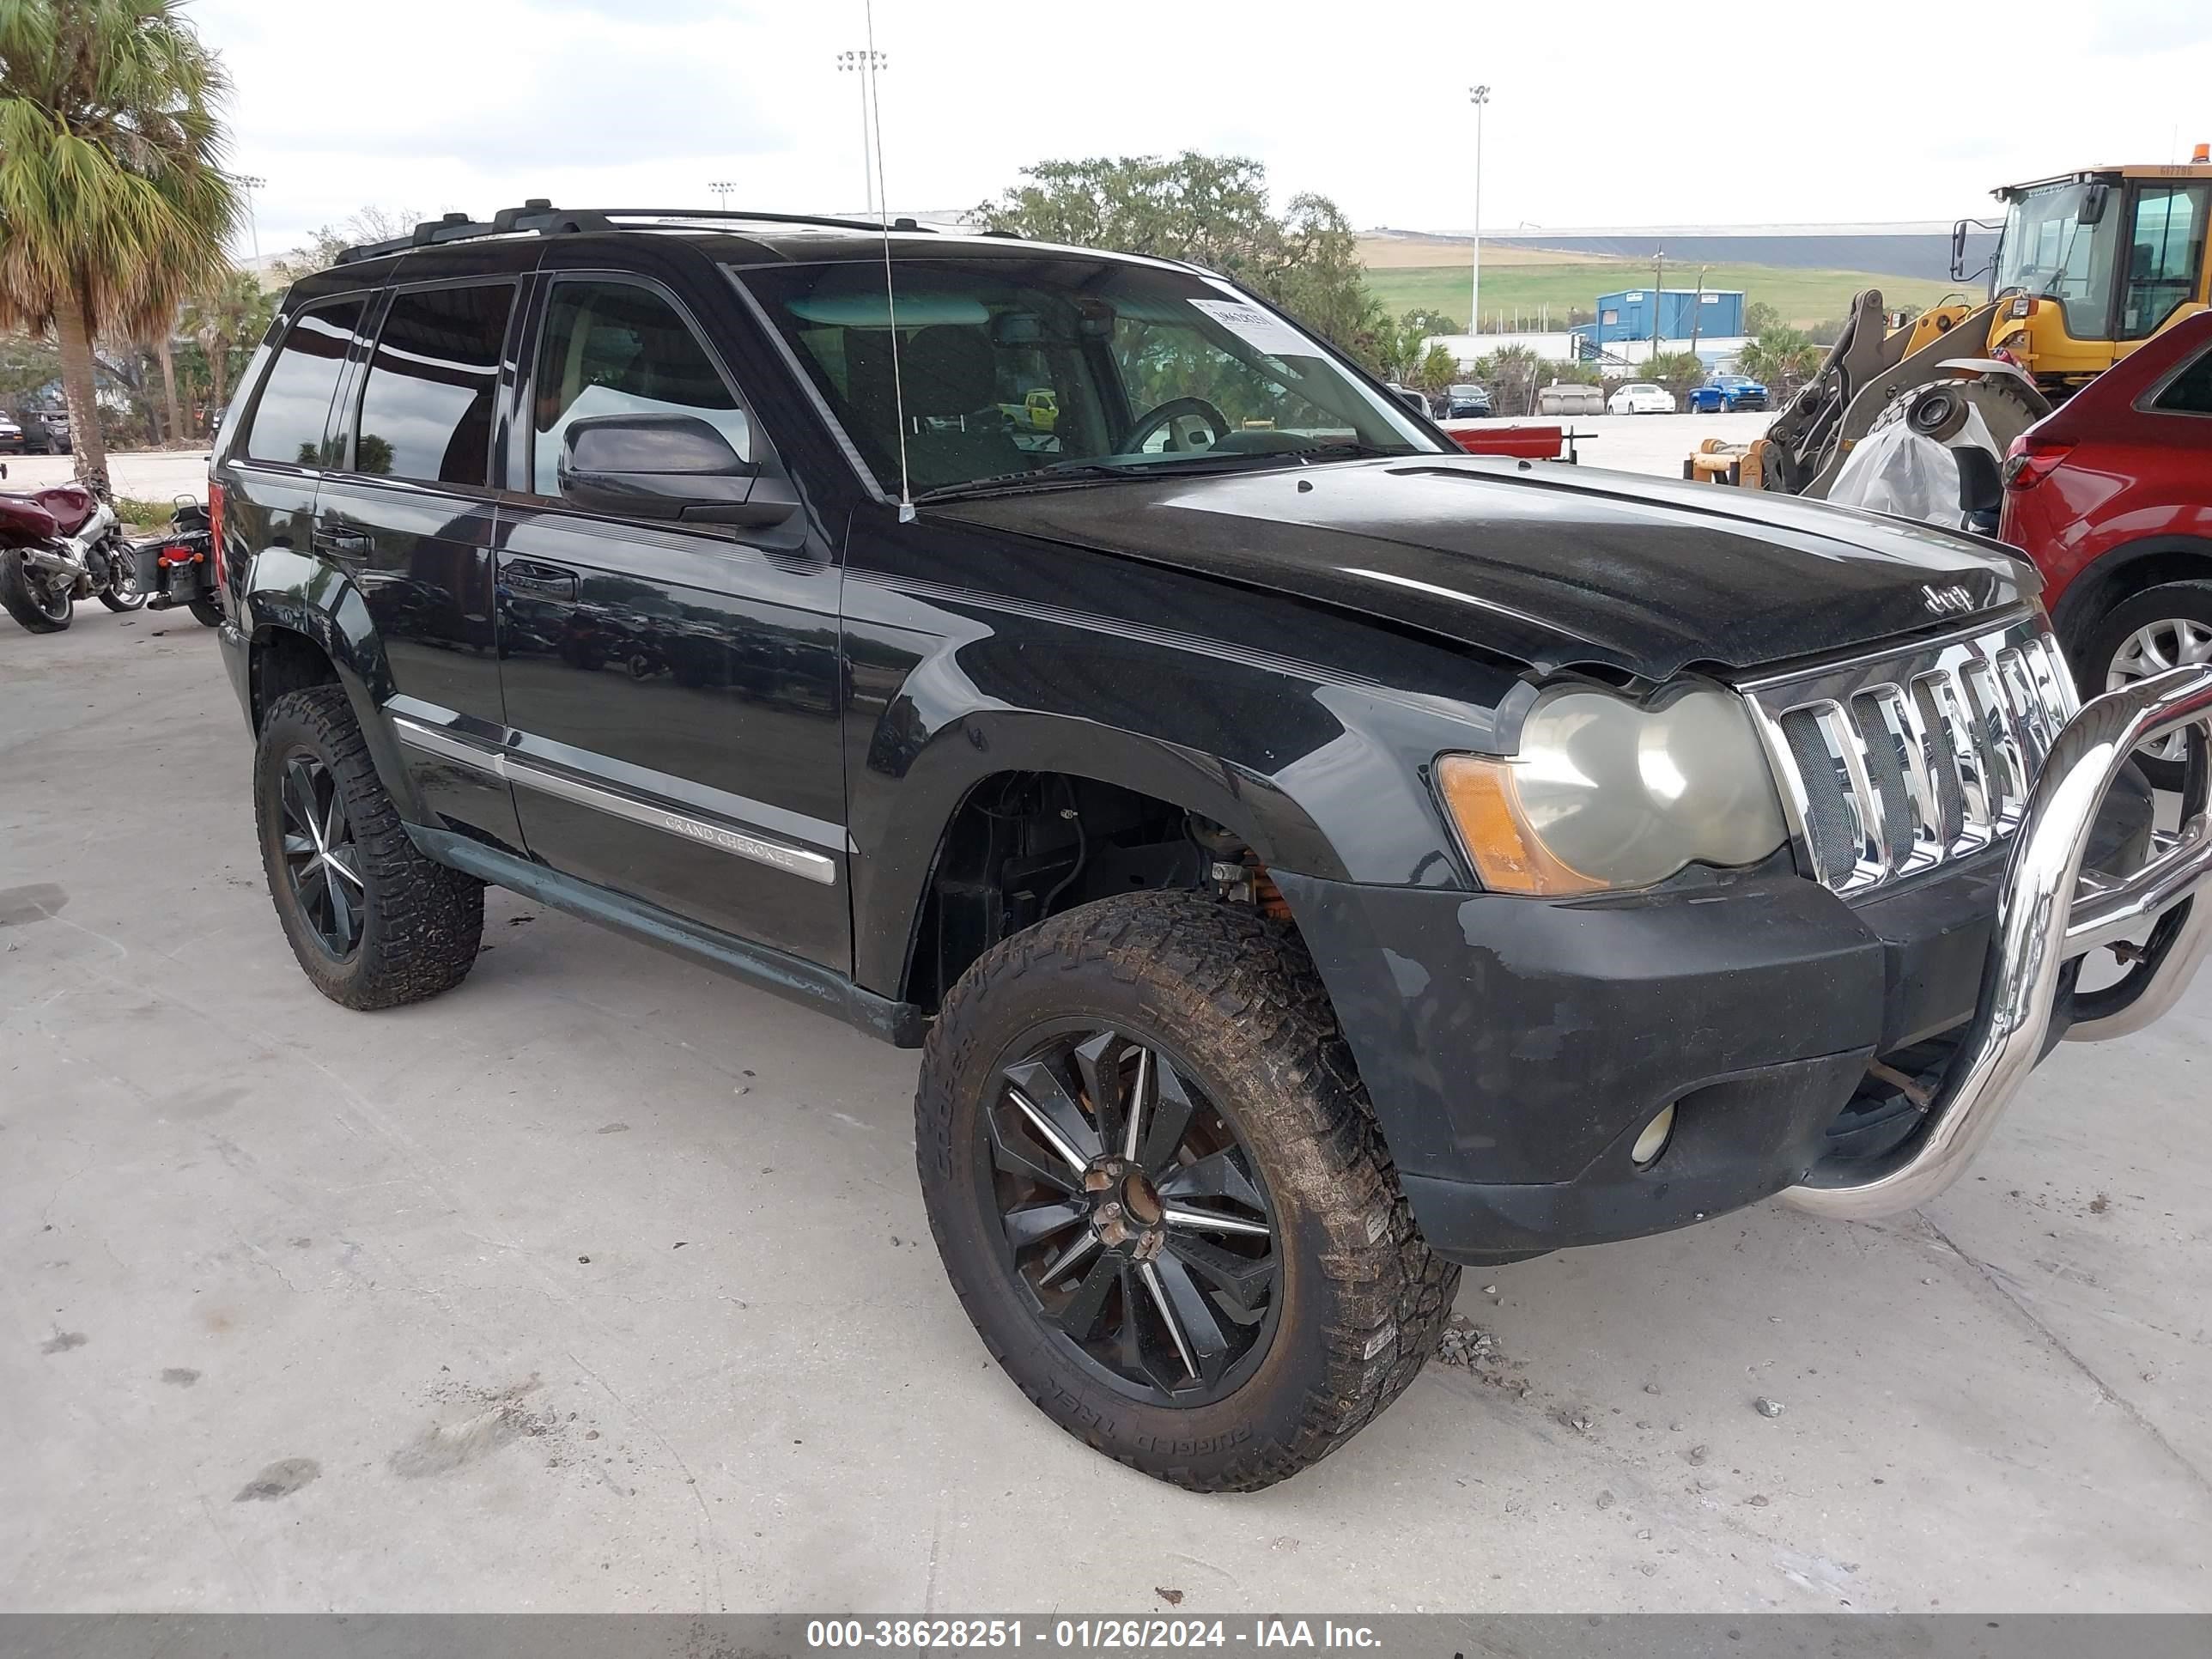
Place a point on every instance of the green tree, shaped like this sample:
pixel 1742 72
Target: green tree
pixel 1437 370
pixel 1677 371
pixel 321 250
pixel 1760 318
pixel 224 314
pixel 1783 357
pixel 1511 372
pixel 1573 375
pixel 27 365
pixel 1211 210
pixel 1400 345
pixel 112 199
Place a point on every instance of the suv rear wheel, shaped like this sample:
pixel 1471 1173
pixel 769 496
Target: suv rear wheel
pixel 1161 1194
pixel 372 922
pixel 2162 628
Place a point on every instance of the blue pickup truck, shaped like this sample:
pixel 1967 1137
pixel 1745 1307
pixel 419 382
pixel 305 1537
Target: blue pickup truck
pixel 1727 392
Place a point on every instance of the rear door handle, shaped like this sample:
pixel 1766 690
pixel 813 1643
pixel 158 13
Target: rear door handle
pixel 540 578
pixel 344 542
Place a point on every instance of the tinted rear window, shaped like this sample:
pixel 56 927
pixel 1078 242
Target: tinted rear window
pixel 2188 393
pixel 295 405
pixel 426 412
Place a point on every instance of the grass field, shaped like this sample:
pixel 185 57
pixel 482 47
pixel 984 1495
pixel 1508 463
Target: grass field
pixel 1514 281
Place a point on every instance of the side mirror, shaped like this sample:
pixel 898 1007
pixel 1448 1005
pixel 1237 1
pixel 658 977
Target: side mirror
pixel 667 467
pixel 2092 204
pixel 1959 251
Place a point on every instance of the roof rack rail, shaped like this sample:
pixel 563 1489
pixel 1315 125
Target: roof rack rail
pixel 538 216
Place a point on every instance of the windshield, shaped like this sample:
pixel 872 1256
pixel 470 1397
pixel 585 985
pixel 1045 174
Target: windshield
pixel 1013 366
pixel 2047 251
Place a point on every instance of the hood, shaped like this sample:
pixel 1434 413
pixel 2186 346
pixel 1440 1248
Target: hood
pixel 1551 565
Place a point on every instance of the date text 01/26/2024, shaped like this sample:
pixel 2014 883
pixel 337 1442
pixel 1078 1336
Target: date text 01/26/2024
pixel 1123 1635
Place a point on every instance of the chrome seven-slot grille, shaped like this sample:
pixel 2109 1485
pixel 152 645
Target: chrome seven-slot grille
pixel 1900 762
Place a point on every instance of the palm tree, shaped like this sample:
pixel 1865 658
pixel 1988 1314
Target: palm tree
pixel 112 201
pixel 1782 356
pixel 230 308
pixel 163 356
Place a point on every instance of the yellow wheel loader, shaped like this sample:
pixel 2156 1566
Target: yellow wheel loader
pixel 2088 265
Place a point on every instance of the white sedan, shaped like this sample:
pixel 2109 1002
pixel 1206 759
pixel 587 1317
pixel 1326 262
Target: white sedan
pixel 1641 397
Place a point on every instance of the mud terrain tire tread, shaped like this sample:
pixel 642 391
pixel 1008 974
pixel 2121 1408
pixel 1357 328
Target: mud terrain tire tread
pixel 425 922
pixel 1290 1079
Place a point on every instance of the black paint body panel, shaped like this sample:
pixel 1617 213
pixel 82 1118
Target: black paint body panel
pixel 1534 1039
pixel 1285 654
pixel 1547 568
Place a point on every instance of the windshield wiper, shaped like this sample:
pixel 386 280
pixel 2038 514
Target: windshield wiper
pixel 998 483
pixel 1068 473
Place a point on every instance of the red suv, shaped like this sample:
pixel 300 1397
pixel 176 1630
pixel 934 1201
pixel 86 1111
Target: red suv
pixel 2111 494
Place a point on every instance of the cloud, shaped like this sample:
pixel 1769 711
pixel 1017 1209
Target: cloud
pixel 472 104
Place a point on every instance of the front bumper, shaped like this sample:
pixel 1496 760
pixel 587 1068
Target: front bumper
pixel 1515 1048
pixel 2054 907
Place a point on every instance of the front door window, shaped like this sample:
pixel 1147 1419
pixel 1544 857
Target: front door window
pixel 616 348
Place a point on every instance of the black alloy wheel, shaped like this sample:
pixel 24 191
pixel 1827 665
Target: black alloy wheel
pixel 1133 1219
pixel 320 859
pixel 1162 1195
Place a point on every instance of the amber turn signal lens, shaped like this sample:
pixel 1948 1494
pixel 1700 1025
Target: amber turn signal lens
pixel 1479 793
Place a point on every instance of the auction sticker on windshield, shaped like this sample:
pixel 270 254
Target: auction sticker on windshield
pixel 1262 330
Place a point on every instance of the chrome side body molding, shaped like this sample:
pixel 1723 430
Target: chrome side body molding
pixel 728 838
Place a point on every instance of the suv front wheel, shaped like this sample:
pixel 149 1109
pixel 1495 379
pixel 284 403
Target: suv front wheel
pixel 372 921
pixel 1162 1196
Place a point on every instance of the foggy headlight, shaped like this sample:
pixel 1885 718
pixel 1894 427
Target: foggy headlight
pixel 1606 795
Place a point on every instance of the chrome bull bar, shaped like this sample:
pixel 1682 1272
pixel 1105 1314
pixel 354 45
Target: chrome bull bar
pixel 2049 912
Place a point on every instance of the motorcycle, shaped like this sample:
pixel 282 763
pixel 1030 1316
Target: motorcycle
pixel 58 545
pixel 177 568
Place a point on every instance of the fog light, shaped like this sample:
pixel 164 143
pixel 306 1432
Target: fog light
pixel 1653 1140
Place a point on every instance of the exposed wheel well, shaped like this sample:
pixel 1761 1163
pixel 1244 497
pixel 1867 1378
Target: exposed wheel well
pixel 284 661
pixel 1027 845
pixel 2123 574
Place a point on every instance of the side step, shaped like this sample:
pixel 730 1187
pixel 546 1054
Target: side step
pixel 902 1024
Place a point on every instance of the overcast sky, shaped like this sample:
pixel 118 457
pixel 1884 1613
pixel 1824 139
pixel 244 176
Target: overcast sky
pixel 1623 115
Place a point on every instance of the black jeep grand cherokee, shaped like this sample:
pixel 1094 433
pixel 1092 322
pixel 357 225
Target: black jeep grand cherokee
pixel 1310 858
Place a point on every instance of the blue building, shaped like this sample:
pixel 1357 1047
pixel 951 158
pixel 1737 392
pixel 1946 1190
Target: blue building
pixel 1713 314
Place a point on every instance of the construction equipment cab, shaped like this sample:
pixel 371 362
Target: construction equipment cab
pixel 2090 265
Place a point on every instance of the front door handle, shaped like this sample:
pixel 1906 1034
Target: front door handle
pixel 540 578
pixel 346 543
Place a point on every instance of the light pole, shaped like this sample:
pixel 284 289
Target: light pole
pixel 866 63
pixel 1477 96
pixel 252 183
pixel 720 189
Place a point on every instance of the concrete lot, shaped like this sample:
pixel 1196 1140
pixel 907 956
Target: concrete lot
pixel 603 1283
pixel 156 475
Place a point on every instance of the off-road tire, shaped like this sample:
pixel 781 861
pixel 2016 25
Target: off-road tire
pixel 1362 1299
pixel 2102 639
pixel 21 603
pixel 422 923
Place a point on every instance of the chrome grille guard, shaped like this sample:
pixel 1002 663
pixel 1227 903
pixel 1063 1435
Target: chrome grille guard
pixel 2050 911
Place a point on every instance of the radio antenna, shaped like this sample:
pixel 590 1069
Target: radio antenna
pixel 874 62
